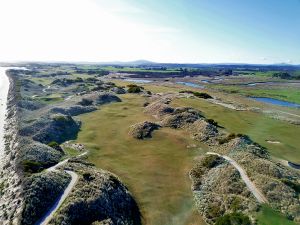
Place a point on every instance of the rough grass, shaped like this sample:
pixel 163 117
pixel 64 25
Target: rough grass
pixel 257 126
pixel 44 81
pixel 70 152
pixel 50 99
pixel 267 216
pixel 155 170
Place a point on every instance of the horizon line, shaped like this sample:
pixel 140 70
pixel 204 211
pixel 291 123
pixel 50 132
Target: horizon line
pixel 140 62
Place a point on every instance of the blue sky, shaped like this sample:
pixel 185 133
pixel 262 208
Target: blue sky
pixel 195 31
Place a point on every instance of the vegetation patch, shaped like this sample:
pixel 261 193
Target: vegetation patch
pixel 132 88
pixel 202 95
pixel 267 216
pixel 143 130
pixel 292 184
pixel 212 122
pixel 32 166
pixel 40 193
pixel 197 94
pixel 235 218
pixel 98 195
pixel 229 137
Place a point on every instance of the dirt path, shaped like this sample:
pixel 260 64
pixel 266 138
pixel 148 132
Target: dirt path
pixel 48 216
pixel 250 185
pixel 74 178
pixel 291 114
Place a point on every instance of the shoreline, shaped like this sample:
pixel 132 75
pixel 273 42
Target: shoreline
pixel 4 89
pixel 11 199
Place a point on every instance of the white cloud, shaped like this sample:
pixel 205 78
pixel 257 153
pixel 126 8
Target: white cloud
pixel 76 30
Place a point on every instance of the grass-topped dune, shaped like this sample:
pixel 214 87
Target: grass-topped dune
pixel 154 138
pixel 44 125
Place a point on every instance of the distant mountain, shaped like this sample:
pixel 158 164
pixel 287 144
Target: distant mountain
pixel 130 63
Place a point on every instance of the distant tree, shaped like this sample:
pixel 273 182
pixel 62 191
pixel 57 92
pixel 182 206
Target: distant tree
pixel 282 75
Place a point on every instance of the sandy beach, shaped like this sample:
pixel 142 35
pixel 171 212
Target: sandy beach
pixel 4 86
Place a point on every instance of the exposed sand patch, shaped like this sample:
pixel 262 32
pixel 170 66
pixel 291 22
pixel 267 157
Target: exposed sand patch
pixel 273 142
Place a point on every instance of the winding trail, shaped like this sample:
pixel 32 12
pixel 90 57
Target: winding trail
pixel 74 178
pixel 291 114
pixel 250 185
pixel 48 216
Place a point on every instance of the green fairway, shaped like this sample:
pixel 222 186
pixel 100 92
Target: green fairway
pixel 155 170
pixel 268 216
pixel 258 126
pixel 287 94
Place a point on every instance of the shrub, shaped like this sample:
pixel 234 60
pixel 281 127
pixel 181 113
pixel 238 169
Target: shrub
pixel 87 176
pixel 78 79
pixel 291 184
pixel 32 166
pixel 60 118
pixel 210 161
pixel 53 144
pixel 134 89
pixel 227 139
pixel 212 122
pixel 214 211
pixel 202 95
pixel 1 187
pixel 235 204
pixel 40 193
pixel 187 91
pixel 146 104
pixel 85 102
pixel 197 94
pixel 63 120
pixel 233 219
pixel 91 79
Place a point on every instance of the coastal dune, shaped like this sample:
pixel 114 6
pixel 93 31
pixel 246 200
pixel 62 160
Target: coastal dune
pixel 11 200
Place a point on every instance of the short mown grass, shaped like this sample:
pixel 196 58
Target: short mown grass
pixel 155 170
pixel 268 216
pixel 257 126
pixel 286 94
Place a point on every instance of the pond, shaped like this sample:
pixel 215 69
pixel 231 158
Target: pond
pixel 190 84
pixel 276 102
pixel 139 80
